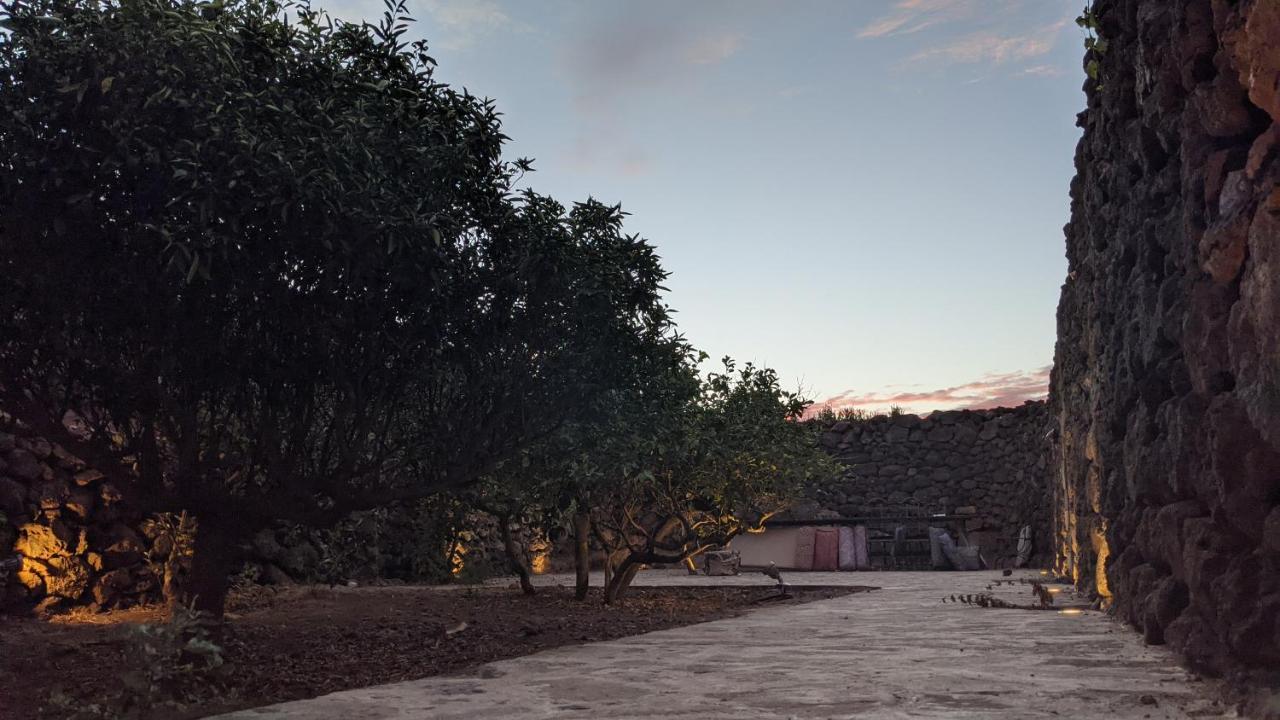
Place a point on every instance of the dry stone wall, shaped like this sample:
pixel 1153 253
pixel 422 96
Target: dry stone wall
pixel 69 538
pixel 1166 381
pixel 988 463
pixel 72 534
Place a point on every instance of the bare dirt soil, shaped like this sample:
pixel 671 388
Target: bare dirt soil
pixel 306 641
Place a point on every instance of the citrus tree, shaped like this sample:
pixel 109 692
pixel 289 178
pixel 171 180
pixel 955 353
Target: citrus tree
pixel 717 465
pixel 278 271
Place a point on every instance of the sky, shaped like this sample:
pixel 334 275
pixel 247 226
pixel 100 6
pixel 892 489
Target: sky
pixel 867 196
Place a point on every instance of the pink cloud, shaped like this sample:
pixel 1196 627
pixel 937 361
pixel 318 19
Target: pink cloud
pixel 618 59
pixel 995 48
pixel 910 16
pixel 975 32
pixel 992 390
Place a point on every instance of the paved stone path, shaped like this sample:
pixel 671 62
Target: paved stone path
pixel 896 652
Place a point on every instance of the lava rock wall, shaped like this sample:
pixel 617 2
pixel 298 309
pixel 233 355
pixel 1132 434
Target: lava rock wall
pixel 1166 381
pixel 990 464
pixel 73 534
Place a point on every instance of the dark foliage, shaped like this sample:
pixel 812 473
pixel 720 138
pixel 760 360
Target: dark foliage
pixel 279 271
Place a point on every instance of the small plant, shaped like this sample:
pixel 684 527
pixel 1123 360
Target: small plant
pixel 178 661
pixel 853 414
pixel 352 547
pixel 1094 44
pixel 1044 598
pixel 986 600
pixel 825 416
pixel 247 591
pixel 172 547
pixel 172 665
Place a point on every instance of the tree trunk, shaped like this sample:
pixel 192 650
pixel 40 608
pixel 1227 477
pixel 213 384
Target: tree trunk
pixel 581 554
pixel 169 586
pixel 213 557
pixel 514 556
pixel 612 558
pixel 622 578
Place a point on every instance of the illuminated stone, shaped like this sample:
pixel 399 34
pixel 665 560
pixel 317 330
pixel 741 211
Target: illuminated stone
pixel 67 577
pixel 44 541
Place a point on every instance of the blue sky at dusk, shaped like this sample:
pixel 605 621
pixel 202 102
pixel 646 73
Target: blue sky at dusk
pixel 867 196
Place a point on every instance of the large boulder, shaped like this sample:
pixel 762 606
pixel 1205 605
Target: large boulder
pixel 49 494
pixel 109 588
pixel 87 476
pixel 121 547
pixel 66 577
pixel 66 460
pixel 80 501
pixel 39 447
pixel 30 578
pixel 13 497
pixel 42 542
pixel 23 465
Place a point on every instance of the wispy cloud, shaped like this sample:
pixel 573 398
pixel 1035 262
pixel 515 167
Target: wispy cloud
pixel 911 16
pixel 974 32
pixel 994 48
pixel 625 53
pixel 794 91
pixel 992 390
pixel 463 22
pixel 1042 71
pixel 713 49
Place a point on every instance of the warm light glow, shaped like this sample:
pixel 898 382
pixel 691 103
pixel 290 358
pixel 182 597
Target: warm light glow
pixel 759 526
pixel 1098 537
pixel 539 556
pixel 1055 590
pixel 1067 554
pixel 130 616
pixel 541 564
pixel 1044 572
pixel 457 560
pixel 1071 611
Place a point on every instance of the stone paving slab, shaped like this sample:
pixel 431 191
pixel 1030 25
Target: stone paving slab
pixel 896 652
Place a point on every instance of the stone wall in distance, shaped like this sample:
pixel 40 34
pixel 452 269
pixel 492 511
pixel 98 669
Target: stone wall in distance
pixel 989 462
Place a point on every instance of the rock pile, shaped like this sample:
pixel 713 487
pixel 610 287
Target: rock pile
pixel 78 542
pixel 988 463
pixel 76 539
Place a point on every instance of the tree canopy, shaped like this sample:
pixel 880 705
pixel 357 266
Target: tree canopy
pixel 666 470
pixel 279 270
pixel 721 464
